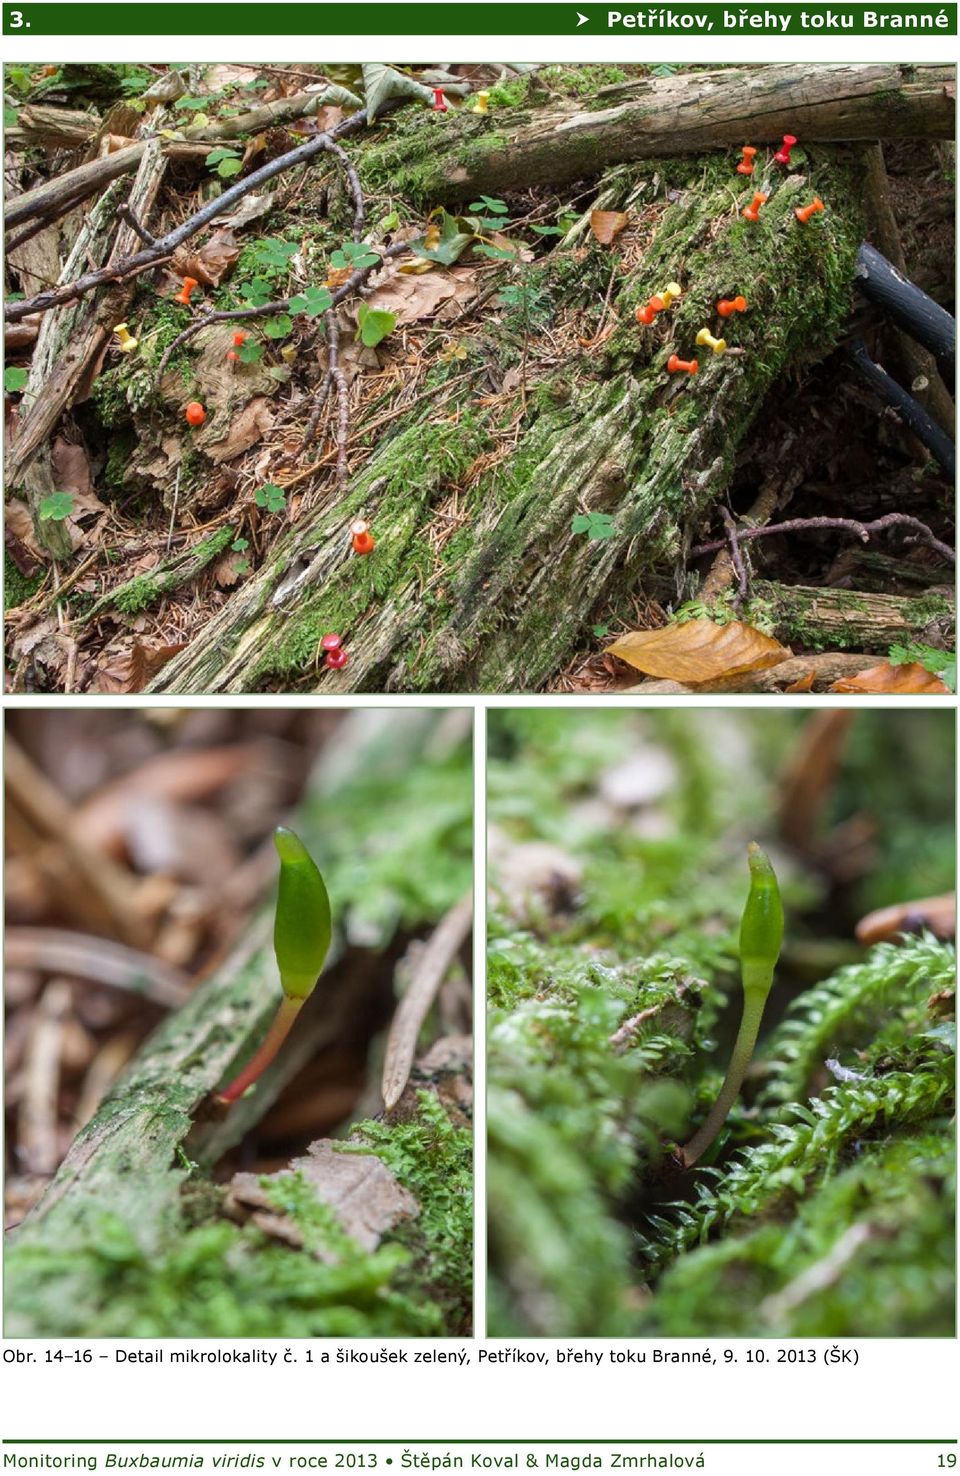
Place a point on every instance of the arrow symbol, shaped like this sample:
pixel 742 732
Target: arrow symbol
pixel 581 19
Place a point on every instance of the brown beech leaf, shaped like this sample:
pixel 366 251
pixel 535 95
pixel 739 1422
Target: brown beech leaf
pixel 130 671
pixel 71 468
pixel 938 914
pixel 247 427
pixel 411 298
pixel 699 651
pixel 911 679
pixel 212 262
pixel 606 225
pixel 360 1190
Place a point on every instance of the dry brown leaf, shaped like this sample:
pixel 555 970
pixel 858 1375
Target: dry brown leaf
pixel 256 146
pixel 699 651
pixel 226 570
pixel 251 207
pixel 415 297
pixel 17 520
pixel 606 225
pixel 804 683
pixel 130 671
pixel 938 914
pixel 212 262
pixel 180 776
pixel 362 1192
pixel 217 78
pixel 508 243
pixel 911 679
pixel 249 426
pixel 416 268
pixel 113 143
pixel 71 469
pixel 20 554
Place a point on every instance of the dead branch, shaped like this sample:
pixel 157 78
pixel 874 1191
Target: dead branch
pixel 150 255
pixel 863 531
pixel 736 557
pixel 428 968
pixel 78 955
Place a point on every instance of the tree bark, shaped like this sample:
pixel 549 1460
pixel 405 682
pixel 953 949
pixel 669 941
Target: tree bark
pixel 851 620
pixel 662 116
pixel 51 128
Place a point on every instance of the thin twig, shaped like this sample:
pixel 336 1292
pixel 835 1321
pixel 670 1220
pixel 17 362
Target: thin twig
pixel 139 229
pixel 428 969
pixel 849 525
pixel 736 557
pixel 101 960
pixel 173 510
pixel 338 377
pixel 311 427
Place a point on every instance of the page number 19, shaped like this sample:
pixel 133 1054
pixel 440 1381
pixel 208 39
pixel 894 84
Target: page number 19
pixel 947 1462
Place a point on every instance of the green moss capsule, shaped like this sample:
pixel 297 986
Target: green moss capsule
pixel 302 926
pixel 761 937
pixel 301 940
pixel 761 927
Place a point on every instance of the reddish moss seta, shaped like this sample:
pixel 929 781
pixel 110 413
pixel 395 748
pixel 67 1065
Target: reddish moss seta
pixel 258 1063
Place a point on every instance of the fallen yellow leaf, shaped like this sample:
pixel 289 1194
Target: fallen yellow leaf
pixel 699 651
pixel 911 679
pixel 606 225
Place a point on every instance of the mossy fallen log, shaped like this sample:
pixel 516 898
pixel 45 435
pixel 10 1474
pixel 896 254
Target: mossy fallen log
pixel 545 141
pixel 130 1238
pixel 500 601
pixel 855 620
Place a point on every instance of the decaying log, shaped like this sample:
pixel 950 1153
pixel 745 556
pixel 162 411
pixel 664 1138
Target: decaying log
pixel 612 432
pixel 844 619
pixel 662 116
pixel 71 343
pixel 51 128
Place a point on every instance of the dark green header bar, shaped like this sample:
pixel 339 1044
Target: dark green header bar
pixel 472 18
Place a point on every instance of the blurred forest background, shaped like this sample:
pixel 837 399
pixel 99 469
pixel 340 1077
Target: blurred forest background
pixel 617 878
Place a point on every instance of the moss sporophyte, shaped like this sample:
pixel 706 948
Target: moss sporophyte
pixel 761 935
pixel 301 940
